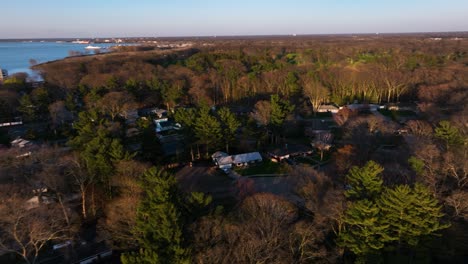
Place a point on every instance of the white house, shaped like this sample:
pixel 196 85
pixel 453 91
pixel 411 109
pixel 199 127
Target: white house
pixel 20 143
pixel 289 151
pixel 226 162
pixel 163 124
pixel 159 113
pixel 328 108
pixel 246 159
pixel 17 122
pixel 222 160
pixel 218 154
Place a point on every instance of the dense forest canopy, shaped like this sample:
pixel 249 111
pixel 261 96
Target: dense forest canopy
pixel 387 184
pixel 372 70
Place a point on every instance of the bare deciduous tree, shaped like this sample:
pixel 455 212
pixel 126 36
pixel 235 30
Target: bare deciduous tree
pixel 82 179
pixel 344 115
pixel 455 166
pixel 459 202
pixel 115 103
pixel 420 128
pixel 120 212
pixel 53 176
pixel 315 91
pixel 262 112
pixel 59 113
pixel 27 231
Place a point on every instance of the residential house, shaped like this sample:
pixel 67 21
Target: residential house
pixel 225 161
pixel 222 160
pixel 246 159
pixel 16 122
pixel 328 108
pixel 130 116
pixel 20 143
pixel 171 142
pixel 163 124
pixel 289 151
pixel 402 107
pixel 157 112
pixel 363 107
pixel 22 147
pixel 218 154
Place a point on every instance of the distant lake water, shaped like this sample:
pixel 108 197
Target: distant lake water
pixel 15 56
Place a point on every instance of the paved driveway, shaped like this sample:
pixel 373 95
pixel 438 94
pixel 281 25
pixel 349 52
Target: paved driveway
pixel 205 179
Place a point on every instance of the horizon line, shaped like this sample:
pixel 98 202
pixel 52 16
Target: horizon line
pixel 247 35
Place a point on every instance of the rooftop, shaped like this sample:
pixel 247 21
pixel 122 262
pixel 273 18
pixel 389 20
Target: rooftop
pixel 246 157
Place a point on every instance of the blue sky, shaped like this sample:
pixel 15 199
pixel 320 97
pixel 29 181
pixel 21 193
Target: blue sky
pixel 131 18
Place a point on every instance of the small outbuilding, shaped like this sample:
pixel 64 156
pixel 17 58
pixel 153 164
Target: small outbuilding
pixel 289 151
pixel 328 108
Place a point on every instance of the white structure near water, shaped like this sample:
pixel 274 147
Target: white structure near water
pixel 3 74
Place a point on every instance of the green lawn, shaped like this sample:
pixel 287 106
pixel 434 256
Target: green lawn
pixel 266 167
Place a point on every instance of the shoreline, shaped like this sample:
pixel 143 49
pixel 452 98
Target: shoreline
pixel 19 64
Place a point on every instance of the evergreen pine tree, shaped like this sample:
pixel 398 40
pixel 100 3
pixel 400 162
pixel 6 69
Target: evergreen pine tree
pixel 86 127
pixel 448 133
pixel 292 83
pixel 117 152
pixel 365 182
pixel 159 225
pixel 364 232
pixel 280 109
pixel 27 108
pixel 208 129
pixel 230 124
pixel 142 257
pixel 410 213
pixel 186 117
pixel 97 149
pixel 417 165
